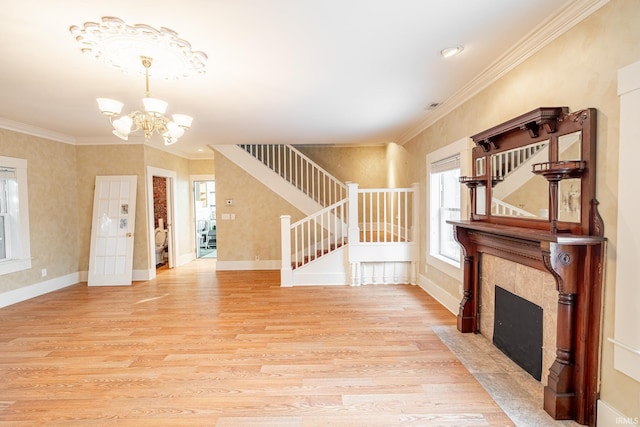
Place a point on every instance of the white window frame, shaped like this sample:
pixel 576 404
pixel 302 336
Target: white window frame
pixel 461 148
pixel 19 257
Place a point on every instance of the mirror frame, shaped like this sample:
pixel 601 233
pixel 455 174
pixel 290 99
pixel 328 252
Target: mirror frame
pixel 545 123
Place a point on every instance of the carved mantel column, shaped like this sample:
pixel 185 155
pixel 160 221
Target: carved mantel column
pixel 468 310
pixel 559 393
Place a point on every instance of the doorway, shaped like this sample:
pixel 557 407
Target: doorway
pixel 160 222
pixel 204 196
pixel 166 181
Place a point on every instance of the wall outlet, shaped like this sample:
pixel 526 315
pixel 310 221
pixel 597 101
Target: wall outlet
pixel 44 272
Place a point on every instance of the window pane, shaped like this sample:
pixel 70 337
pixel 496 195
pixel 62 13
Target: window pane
pixel 3 248
pixel 449 210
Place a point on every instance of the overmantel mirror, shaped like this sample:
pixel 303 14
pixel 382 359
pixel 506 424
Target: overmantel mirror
pixel 537 171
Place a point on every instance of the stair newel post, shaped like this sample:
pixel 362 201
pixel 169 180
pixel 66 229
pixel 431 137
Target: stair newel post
pixel 352 214
pixel 415 212
pixel 353 230
pixel 286 272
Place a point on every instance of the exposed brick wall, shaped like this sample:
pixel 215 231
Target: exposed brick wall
pixel 159 200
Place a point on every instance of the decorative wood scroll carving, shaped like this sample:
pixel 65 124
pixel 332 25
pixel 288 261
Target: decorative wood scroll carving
pixel 571 252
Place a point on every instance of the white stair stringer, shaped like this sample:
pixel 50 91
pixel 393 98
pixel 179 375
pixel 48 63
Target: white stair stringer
pixel 268 177
pixel 329 269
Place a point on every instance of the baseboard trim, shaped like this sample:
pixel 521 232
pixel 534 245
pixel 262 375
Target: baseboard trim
pixel 27 292
pixel 319 279
pixel 450 302
pixel 248 265
pixel 607 415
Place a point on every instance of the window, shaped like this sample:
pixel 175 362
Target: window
pixel 15 251
pixel 444 195
pixel 446 200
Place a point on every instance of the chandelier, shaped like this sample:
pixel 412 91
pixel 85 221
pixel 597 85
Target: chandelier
pixel 151 119
pixel 125 47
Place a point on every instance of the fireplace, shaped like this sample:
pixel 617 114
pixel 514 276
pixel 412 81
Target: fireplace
pixel 530 284
pixel 517 330
pixel 569 271
pixel 514 218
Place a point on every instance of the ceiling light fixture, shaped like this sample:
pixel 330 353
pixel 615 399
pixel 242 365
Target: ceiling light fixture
pixel 126 47
pixel 119 45
pixel 451 51
pixel 151 119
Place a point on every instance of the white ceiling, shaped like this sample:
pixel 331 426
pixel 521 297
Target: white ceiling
pixel 278 71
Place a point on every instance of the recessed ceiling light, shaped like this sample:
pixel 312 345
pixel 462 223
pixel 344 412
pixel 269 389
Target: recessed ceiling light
pixel 448 52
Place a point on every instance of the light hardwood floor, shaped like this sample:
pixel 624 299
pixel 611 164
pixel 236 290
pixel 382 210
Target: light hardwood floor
pixel 200 347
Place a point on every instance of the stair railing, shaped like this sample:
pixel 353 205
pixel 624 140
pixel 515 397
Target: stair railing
pixel 300 171
pixel 498 207
pixel 314 236
pixel 385 214
pixel 504 163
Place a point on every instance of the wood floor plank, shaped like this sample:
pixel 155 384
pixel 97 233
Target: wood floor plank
pixel 200 347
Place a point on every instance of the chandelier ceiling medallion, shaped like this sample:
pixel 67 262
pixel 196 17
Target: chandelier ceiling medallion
pixel 133 50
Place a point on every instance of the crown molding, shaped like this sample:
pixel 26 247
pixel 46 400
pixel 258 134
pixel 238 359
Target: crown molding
pixel 36 131
pixel 101 140
pixel 573 13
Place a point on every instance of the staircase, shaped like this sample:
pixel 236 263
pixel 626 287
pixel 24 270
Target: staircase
pixel 350 236
pixel 515 164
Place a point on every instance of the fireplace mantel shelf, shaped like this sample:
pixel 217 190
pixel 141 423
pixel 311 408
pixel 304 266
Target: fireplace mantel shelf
pixel 529 234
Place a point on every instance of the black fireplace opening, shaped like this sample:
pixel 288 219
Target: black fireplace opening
pixel 517 330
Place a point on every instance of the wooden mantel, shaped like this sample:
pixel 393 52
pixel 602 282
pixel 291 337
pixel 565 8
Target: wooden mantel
pixel 575 261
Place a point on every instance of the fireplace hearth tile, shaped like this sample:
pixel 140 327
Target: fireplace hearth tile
pixel 513 389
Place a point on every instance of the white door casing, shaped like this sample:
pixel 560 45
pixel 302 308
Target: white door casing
pixel 171 177
pixel 112 231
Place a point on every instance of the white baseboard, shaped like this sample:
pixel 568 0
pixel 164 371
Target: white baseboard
pixel 136 275
pixel 185 259
pixel 320 279
pixel 248 265
pixel 607 415
pixel 449 301
pixel 37 289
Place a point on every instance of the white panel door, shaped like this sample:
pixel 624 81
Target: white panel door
pixel 114 214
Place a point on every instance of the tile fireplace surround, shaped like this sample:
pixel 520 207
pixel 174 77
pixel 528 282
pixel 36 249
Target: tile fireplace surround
pixel 535 286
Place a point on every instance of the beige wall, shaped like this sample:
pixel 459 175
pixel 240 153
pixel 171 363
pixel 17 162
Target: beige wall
pixel 96 160
pixel 61 180
pixel 202 167
pixel 53 212
pixel 255 232
pixel 350 164
pixel 577 70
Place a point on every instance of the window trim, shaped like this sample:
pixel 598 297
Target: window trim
pixel 462 148
pixel 21 255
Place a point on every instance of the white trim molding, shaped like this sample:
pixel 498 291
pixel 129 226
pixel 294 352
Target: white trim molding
pixel 610 416
pixel 450 302
pixel 626 338
pixel 572 14
pixel 27 292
